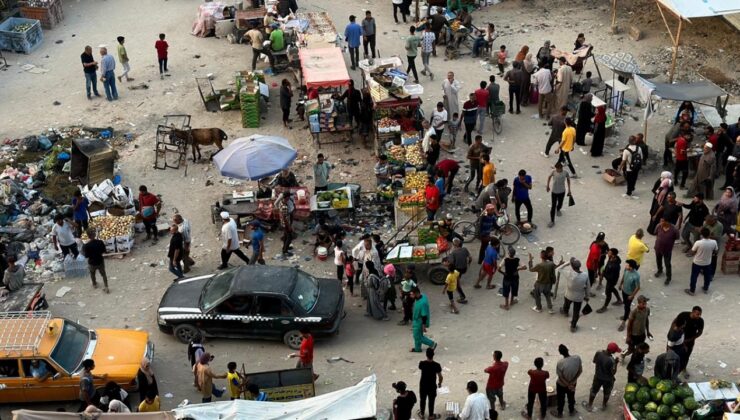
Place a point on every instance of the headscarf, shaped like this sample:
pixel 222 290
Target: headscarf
pixel 600 116
pixel 587 98
pixel 371 267
pixel 728 203
pixel 146 369
pixel 389 270
pixel 116 406
pixel 522 53
pixel 666 181
pixel 529 63
pixel 205 358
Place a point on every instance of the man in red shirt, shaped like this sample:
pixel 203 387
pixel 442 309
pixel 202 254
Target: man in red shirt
pixel 305 353
pixel 712 137
pixel 682 158
pixel 149 205
pixel 161 46
pixel 431 194
pixel 495 384
pixel 481 97
pixel 449 168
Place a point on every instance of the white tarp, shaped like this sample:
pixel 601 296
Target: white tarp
pixel 707 8
pixel 356 402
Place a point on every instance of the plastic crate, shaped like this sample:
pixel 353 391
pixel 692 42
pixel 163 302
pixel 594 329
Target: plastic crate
pixel 20 42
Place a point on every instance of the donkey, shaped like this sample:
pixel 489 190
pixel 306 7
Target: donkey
pixel 201 137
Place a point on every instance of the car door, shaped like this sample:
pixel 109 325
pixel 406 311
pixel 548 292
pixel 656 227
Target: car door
pixel 232 318
pixel 63 388
pixel 273 316
pixel 11 383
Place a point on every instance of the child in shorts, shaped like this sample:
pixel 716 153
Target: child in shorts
pixel 452 126
pixel 451 283
pixel 501 56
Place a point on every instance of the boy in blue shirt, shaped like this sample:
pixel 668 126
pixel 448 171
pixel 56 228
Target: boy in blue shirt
pixel 490 263
pixel 352 34
pixel 522 185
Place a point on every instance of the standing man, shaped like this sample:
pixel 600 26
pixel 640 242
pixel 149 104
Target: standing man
pixel 368 33
pixel 705 171
pixel 638 325
pixel 79 209
pixel 431 379
pixel 439 120
pixel 543 80
pixel 558 191
pixel 321 171
pixel 450 89
pixel 412 49
pixel 557 124
pixel 123 58
pixel 474 154
pixel 629 286
pixel 666 236
pixel 403 405
pixel 522 185
pixel 577 290
pixel 493 93
pixel 476 406
pixel 490 262
pixel 257 40
pixel 175 252
pixel 420 321
pixel 495 384
pixel 488 170
pixel 432 195
pixel 93 251
pixel 564 83
pixel 352 34
pixel 161 46
pixel 149 206
pixel 427 48
pixel 569 368
pixel 671 211
pixel 89 67
pixel 286 206
pixel 698 211
pixel 62 236
pixel 693 330
pixel 703 250
pixel 230 238
pixel 512 77
pixel 183 226
pixel 545 279
pixel 631 164
pixel 567 144
pixel 606 368
pixel 305 353
pixel 461 260
pixel 636 247
pixel 611 270
pixel 88 395
pixel 482 98
pixel 107 74
pixel 258 243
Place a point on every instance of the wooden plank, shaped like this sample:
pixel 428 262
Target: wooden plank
pixel 734 20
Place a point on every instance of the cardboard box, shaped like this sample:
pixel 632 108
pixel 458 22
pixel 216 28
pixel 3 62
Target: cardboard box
pixel 613 177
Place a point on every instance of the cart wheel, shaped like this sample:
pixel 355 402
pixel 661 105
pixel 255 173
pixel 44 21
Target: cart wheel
pixel 438 275
pixel 466 229
pixel 497 127
pixel 510 234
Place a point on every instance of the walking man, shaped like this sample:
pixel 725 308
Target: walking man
pixel 183 226
pixel 543 78
pixel 666 236
pixel 107 74
pixel 368 33
pixel 490 262
pixel 450 88
pixel 611 273
pixel 569 368
pixel 149 206
pixel 631 164
pixel 321 171
pixel 175 252
pixel 522 185
pixel 606 368
pixel 123 58
pixel 89 67
pixel 461 260
pixel 62 236
pixel 577 290
pixel 630 286
pixel 427 48
pixel 698 211
pixel 702 251
pixel 305 353
pixel 230 238
pixel 481 97
pixel 352 34
pixel 431 379
pixel 93 251
pixel 412 49
pixel 495 385
pixel 558 191
pixel 161 46
pixel 638 325
pixel 557 124
pixel 420 321
pixel 258 244
pixel 474 154
pixel 693 330
pixel 567 142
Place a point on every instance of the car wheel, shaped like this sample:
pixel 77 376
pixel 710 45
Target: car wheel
pixel 438 275
pixel 185 333
pixel 293 339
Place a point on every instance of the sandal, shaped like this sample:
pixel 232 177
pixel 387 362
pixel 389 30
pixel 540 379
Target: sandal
pixel 504 307
pixel 490 287
pixel 477 286
pixel 455 311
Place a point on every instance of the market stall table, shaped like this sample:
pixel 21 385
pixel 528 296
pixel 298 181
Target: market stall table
pixel 315 204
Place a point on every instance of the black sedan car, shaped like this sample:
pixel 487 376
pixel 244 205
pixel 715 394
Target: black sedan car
pixel 265 302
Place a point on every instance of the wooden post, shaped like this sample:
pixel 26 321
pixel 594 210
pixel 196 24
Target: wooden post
pixel 675 50
pixel 417 11
pixel 645 127
pixel 614 12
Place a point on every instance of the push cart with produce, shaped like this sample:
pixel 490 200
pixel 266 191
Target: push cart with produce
pixel 423 246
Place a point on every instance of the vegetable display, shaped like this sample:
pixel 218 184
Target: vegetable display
pixel 108 227
pixel 416 181
pixel 660 399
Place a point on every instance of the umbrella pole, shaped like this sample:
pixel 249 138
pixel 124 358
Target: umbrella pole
pixel 614 12
pixel 675 50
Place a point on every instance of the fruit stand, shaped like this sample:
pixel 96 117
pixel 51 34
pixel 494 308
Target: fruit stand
pixel 117 232
pixel 424 247
pixel 660 399
pixel 338 199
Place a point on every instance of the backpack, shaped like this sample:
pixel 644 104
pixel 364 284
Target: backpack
pixel 636 162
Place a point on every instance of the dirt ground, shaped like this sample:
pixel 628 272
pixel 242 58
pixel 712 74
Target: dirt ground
pixel 465 340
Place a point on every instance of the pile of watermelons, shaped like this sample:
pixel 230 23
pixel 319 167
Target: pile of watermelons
pixel 660 399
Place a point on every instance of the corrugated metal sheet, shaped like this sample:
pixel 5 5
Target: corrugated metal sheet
pixel 701 8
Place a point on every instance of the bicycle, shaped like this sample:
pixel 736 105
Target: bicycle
pixel 496 112
pixel 508 233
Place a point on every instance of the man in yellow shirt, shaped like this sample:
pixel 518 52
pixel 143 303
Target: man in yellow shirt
pixel 567 140
pixel 489 171
pixel 150 403
pixel 235 381
pixel 636 248
pixel 451 283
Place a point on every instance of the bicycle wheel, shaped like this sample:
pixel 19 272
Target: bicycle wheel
pixel 466 229
pixel 510 234
pixel 497 127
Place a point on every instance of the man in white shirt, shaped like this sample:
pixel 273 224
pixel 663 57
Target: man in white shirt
pixel 703 250
pixel 62 235
pixel 429 131
pixel 362 252
pixel 543 79
pixel 230 238
pixel 476 405
pixel 183 226
pixel 439 119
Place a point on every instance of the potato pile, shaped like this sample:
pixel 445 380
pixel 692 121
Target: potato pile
pixel 109 227
pixel 416 181
pixel 414 155
pixel 398 153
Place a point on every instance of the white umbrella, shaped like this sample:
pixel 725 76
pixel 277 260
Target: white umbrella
pixel 255 157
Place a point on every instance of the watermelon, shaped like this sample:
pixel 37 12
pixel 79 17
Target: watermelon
pixel 630 398
pixel 668 399
pixel 683 392
pixel 656 395
pixel 664 386
pixel 689 403
pixel 652 416
pixel 651 407
pixel 637 415
pixel 664 411
pixel 677 410
pixel 643 395
pixel 638 406
pixel 653 381
pixel 631 387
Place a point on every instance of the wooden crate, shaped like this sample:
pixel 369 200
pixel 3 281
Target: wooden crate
pixel 50 15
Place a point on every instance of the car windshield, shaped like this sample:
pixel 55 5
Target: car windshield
pixel 306 290
pixel 216 290
pixel 71 346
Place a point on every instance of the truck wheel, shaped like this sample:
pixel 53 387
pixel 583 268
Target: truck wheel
pixel 438 275
pixel 293 339
pixel 185 333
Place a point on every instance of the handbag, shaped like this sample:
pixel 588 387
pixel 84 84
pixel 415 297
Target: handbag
pixel 534 94
pixel 571 201
pixel 586 309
